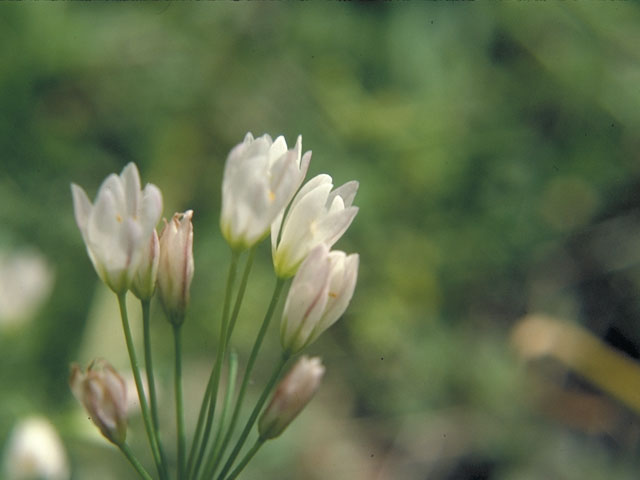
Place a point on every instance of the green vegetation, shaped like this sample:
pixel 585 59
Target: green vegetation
pixel 497 149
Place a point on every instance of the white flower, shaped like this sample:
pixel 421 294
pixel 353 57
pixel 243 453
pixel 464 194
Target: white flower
pixel 117 227
pixel 176 265
pixel 143 284
pixel 319 295
pixel 317 215
pixel 34 451
pixel 293 393
pixel 103 394
pixel 260 178
pixel 26 280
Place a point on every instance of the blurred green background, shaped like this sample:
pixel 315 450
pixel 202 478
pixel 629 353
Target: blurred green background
pixel 498 152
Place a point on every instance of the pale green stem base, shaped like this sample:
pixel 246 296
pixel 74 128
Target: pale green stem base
pixel 124 448
pixel 254 415
pixel 146 415
pixel 179 405
pixel 247 458
pixel 148 363
pixel 215 459
pixel 214 380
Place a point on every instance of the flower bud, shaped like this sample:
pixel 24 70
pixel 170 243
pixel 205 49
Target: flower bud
pixel 103 394
pixel 34 451
pixel 317 215
pixel 144 281
pixel 117 227
pixel 260 177
pixel 176 265
pixel 292 394
pixel 319 295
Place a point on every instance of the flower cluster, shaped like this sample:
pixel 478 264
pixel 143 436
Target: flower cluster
pixel 262 194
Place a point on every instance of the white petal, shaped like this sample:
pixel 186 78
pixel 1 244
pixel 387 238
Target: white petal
pixel 103 227
pixel 81 207
pixel 278 148
pixel 342 285
pixel 130 178
pixel 114 184
pixel 306 299
pixel 347 192
pixel 304 165
pixel 151 207
pixel 301 217
pixel 331 227
pixel 275 232
pixel 312 184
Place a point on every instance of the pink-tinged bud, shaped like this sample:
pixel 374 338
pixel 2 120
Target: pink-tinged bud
pixel 103 394
pixel 176 265
pixel 143 285
pixel 292 395
pixel 319 295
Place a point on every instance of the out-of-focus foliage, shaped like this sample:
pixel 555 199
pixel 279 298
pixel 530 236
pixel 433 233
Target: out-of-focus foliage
pixel 496 147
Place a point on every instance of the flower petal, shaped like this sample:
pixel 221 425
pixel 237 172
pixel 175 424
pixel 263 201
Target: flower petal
pixel 81 207
pixel 130 178
pixel 347 192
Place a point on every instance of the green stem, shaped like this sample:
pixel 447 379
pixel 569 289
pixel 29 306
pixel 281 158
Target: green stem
pixel 179 406
pixel 256 446
pixel 234 316
pixel 215 374
pixel 146 415
pixel 148 363
pixel 199 426
pixel 124 448
pixel 231 386
pixel 247 374
pixel 254 415
pixel 241 290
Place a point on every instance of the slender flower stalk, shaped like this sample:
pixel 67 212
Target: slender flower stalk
pixel 247 458
pixel 211 394
pixel 217 444
pixel 148 361
pixel 316 215
pixel 236 310
pixel 126 450
pixel 241 289
pixel 254 415
pixel 179 404
pixel 294 392
pixel 249 368
pixel 152 435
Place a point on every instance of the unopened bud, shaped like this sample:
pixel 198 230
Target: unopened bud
pixel 103 394
pixel 143 285
pixel 176 265
pixel 292 395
